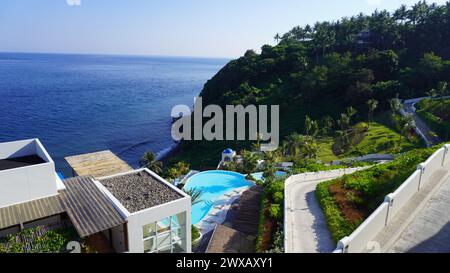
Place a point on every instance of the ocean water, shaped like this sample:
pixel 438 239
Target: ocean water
pixel 85 103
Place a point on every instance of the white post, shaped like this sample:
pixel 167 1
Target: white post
pixel 390 200
pixel 421 168
pixel 343 244
pixel 446 153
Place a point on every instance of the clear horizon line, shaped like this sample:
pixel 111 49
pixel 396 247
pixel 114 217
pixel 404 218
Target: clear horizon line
pixel 118 54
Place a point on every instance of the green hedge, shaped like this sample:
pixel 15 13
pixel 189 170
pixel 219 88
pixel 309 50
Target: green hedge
pixel 337 225
pixel 367 189
pixel 260 237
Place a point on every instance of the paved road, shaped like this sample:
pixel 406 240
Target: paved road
pixel 309 231
pixel 429 231
pixel 421 125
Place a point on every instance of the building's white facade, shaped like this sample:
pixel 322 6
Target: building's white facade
pixel 165 228
pixel 27 183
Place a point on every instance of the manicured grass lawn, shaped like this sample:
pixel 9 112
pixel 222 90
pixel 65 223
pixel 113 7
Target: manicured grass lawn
pixel 378 139
pixel 325 152
pixel 382 140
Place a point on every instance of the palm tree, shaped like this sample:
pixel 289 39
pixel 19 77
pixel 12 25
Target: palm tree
pixel 250 162
pixel 442 88
pixel 401 14
pixel 344 122
pixel 308 125
pixel 327 124
pixel 277 37
pixel 406 123
pixel 293 144
pixel 149 161
pixel 372 104
pixel 432 93
pixel 351 112
pixel 195 195
pixel 395 105
pixel 309 147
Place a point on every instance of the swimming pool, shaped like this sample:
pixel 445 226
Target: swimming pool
pixel 260 176
pixel 213 184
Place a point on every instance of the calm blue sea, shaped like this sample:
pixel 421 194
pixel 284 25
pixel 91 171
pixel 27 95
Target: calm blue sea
pixel 84 103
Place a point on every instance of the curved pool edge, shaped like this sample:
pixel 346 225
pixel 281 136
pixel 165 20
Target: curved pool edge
pixel 225 196
pixel 203 225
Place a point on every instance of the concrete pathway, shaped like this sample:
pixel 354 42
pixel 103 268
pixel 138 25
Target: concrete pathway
pixel 305 227
pixel 308 228
pixel 429 230
pixel 423 128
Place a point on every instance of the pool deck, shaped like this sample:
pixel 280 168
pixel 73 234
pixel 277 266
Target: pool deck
pixel 218 213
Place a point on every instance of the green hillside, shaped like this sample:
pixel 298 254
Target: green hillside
pixel 323 69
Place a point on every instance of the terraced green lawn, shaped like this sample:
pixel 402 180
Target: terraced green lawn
pixel 379 139
pixel 383 140
pixel 325 153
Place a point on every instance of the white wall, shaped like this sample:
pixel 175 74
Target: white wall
pixel 372 226
pixel 359 240
pixel 17 148
pixel 30 182
pixel 402 195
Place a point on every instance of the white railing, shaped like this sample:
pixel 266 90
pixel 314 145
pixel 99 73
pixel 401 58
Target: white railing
pixel 369 157
pixel 360 239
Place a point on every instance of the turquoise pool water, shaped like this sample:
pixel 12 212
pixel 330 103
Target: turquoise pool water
pixel 259 176
pixel 213 184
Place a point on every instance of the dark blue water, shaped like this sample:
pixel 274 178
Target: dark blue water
pixel 84 103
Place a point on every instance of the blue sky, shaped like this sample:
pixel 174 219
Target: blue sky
pixel 207 28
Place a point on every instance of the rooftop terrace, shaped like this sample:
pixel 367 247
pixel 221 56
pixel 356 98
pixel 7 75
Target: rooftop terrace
pixel 140 190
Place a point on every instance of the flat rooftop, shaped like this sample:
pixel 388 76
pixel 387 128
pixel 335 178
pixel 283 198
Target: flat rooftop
pixel 139 191
pixel 98 164
pixel 12 163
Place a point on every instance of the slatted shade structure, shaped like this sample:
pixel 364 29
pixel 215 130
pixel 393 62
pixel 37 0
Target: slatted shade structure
pixel 30 211
pixel 87 207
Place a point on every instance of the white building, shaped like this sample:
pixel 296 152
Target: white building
pixel 137 211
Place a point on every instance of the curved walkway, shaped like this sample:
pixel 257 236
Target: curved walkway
pixel 305 228
pixel 421 127
pixel 309 231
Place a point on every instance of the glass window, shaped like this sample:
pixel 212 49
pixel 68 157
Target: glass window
pixel 178 247
pixel 166 235
pixel 149 230
pixel 175 222
pixel 163 239
pixel 150 245
pixel 179 219
pixel 163 225
pixel 178 234
pixel 165 249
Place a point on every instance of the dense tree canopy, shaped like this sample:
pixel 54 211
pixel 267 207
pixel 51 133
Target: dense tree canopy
pixel 323 69
pixel 353 59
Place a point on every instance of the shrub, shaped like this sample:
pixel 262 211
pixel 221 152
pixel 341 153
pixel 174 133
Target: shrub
pixel 275 211
pixel 278 197
pixel 195 233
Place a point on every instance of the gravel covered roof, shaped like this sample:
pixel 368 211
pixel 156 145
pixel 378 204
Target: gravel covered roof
pixel 139 191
